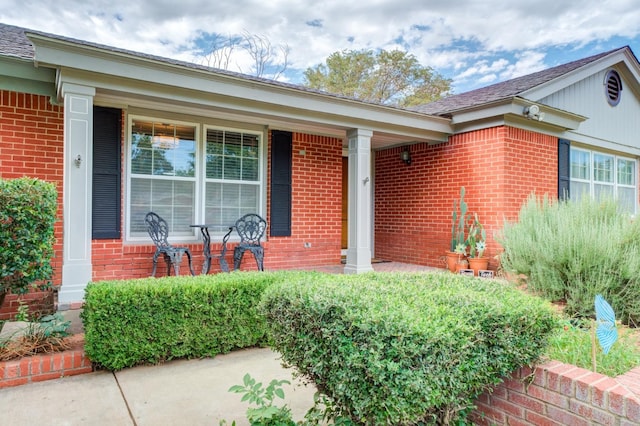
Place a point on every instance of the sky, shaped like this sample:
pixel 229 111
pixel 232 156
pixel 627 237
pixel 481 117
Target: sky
pixel 472 42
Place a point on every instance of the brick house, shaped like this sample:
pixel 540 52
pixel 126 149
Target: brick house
pixel 122 133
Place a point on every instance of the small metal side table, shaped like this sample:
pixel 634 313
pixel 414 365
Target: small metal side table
pixel 206 248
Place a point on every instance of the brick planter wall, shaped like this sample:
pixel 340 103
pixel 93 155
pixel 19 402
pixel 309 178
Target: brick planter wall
pixel 558 394
pixel 38 368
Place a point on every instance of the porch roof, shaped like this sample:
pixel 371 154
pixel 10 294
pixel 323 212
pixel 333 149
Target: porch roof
pixel 126 78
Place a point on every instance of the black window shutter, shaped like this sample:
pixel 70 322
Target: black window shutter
pixel 281 146
pixel 107 132
pixel 564 169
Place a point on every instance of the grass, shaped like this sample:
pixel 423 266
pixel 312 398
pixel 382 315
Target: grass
pixel 572 345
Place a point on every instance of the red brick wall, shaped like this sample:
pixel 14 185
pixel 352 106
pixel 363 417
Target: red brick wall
pixel 558 394
pixel 316 206
pixel 31 144
pixel 499 167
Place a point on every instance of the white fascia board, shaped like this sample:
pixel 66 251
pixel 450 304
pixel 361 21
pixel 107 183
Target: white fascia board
pixel 64 54
pixel 592 142
pixel 623 57
pixel 143 94
pixel 509 109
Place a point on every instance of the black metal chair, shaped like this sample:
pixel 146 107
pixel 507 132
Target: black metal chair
pixel 159 233
pixel 251 228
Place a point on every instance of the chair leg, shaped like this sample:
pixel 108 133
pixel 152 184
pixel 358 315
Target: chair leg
pixel 168 262
pixel 258 253
pixel 224 266
pixel 176 259
pixel 237 258
pixel 189 258
pixel 155 263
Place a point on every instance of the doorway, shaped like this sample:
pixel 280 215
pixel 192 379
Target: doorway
pixel 345 203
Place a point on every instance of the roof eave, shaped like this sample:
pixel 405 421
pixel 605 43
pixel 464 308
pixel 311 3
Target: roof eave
pixel 66 54
pixel 511 111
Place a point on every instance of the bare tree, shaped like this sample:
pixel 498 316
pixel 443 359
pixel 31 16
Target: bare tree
pixel 220 52
pixel 266 59
pixel 264 55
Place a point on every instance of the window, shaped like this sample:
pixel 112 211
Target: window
pixel 189 179
pixel 596 174
pixel 232 180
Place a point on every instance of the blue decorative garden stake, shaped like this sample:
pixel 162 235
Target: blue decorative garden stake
pixel 605 328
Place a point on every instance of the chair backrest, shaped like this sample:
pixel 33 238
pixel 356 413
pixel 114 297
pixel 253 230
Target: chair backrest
pixel 251 228
pixel 158 229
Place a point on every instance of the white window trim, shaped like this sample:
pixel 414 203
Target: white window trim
pixel 201 128
pixel 615 183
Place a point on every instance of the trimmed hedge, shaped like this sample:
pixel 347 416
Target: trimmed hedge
pixel 156 319
pixel 405 348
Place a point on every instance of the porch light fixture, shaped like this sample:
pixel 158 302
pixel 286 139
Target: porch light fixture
pixel 406 156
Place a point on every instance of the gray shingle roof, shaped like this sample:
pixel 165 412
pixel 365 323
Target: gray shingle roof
pixel 13 42
pixel 506 89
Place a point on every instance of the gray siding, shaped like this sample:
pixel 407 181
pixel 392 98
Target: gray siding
pixel 619 125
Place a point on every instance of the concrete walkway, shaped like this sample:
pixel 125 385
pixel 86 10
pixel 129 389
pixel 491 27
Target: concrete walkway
pixel 181 392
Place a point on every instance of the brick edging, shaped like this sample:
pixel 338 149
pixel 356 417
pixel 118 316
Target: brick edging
pixel 38 368
pixel 555 394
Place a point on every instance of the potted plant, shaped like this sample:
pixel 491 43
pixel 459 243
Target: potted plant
pixel 458 224
pixel 461 257
pixel 477 245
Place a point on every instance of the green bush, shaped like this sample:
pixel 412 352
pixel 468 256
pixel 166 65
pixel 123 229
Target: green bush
pixel 569 252
pixel 27 215
pixel 155 319
pixel 404 348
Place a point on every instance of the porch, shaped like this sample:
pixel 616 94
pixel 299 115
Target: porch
pixel 378 266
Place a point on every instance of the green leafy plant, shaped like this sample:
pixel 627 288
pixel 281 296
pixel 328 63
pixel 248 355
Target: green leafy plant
pixel 23 311
pixel 265 413
pixel 27 216
pixel 54 325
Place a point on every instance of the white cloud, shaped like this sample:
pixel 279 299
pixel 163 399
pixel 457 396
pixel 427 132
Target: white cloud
pixel 469 40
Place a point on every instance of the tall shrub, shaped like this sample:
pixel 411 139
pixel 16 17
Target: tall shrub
pixel 571 251
pixel 27 215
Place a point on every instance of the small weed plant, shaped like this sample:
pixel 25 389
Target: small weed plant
pixel 264 412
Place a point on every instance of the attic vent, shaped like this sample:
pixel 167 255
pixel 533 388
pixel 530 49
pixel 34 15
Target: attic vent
pixel 613 87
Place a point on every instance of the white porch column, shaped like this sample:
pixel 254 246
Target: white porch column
pixel 359 250
pixel 78 157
